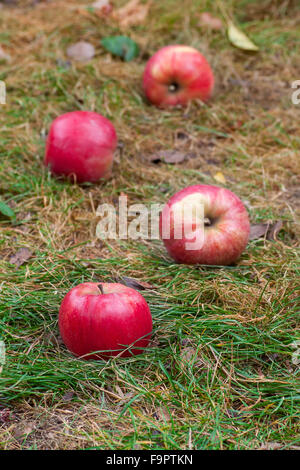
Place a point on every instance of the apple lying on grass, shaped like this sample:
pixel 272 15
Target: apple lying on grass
pixel 81 145
pixel 204 224
pixel 103 320
pixel 177 74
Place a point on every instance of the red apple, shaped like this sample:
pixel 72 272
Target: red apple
pixel 81 145
pixel 107 317
pixel 177 74
pixel 205 224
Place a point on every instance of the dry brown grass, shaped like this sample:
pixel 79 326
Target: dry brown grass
pixel 249 132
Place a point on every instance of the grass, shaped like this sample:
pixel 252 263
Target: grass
pixel 219 372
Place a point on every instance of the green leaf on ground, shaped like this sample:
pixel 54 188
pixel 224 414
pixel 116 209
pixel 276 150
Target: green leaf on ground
pixel 6 210
pixel 121 46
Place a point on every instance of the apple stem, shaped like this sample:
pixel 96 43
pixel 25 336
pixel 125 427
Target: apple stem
pixel 100 288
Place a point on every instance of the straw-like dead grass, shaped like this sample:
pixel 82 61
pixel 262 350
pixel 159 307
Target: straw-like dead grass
pixel 219 373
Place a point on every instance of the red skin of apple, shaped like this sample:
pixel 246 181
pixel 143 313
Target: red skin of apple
pixel 179 67
pixel 90 321
pixel 81 145
pixel 224 239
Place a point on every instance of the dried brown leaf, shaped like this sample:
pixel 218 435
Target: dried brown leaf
pixel 134 283
pixel 102 7
pixel 20 257
pixel 162 414
pixel 24 430
pixel 171 156
pixel 209 21
pixel 271 446
pixel 82 51
pixel 68 396
pixel 5 415
pixel 274 229
pixel 267 230
pixel 134 12
pixel 187 353
pixel 258 230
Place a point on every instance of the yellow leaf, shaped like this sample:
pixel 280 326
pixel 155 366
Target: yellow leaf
pixel 220 178
pixel 239 39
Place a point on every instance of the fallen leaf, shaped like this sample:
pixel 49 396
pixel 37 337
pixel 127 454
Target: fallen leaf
pixel 24 430
pixel 267 230
pixel 170 156
pixel 274 229
pixel 20 257
pixel 258 230
pixel 162 414
pixel 104 7
pixel 68 396
pixel 187 354
pixel 4 55
pixel 239 39
pixel 5 415
pixel 219 177
pixel 82 51
pixel 6 210
pixel 271 446
pixel 134 283
pixel 174 156
pixel 121 46
pixel 210 21
pixel 134 12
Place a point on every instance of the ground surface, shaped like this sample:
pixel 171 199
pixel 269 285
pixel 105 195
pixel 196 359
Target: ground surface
pixel 219 373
